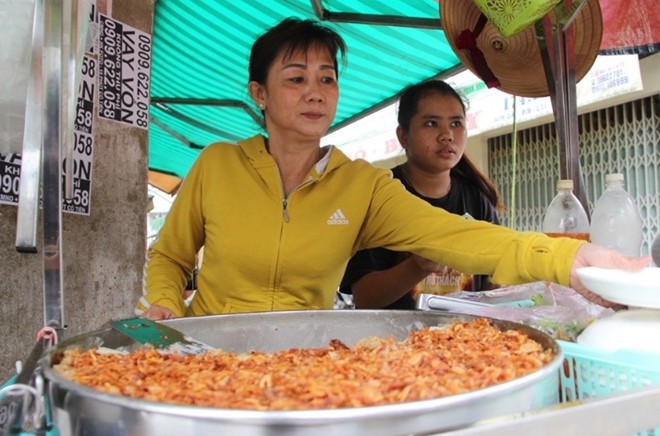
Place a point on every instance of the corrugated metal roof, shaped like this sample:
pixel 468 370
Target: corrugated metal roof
pixel 200 62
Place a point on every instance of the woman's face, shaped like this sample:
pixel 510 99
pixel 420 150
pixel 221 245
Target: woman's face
pixel 437 136
pixel 300 95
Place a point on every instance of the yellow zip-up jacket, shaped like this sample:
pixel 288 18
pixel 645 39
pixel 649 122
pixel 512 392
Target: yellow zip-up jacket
pixel 264 252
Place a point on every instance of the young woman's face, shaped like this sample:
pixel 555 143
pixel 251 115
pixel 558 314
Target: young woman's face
pixel 300 95
pixel 437 136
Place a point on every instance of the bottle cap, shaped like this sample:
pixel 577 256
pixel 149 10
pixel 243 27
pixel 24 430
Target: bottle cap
pixel 565 184
pixel 615 177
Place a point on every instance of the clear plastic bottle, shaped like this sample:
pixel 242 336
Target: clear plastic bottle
pixel 616 222
pixel 565 215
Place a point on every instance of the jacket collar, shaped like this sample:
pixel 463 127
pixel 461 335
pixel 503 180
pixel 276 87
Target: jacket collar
pixel 255 150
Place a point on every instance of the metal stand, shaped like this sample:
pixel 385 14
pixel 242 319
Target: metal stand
pixel 556 41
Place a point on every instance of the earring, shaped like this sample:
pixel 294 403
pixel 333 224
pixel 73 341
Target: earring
pixel 261 106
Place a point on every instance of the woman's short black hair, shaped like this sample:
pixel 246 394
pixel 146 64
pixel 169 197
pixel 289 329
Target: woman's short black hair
pixel 289 36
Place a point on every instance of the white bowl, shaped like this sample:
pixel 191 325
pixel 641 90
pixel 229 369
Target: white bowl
pixel 640 289
pixel 635 329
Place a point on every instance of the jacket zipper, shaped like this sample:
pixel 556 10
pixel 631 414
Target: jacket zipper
pixel 285 200
pixel 285 211
pixel 285 217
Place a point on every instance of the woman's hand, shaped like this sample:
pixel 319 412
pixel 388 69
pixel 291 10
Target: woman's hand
pixel 156 313
pixel 595 255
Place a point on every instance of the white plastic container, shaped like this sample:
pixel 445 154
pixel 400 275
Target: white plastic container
pixel 565 215
pixel 616 222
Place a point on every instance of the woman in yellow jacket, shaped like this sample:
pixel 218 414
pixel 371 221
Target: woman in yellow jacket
pixel 279 216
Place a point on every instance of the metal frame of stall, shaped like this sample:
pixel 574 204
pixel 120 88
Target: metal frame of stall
pixel 59 31
pixel 48 126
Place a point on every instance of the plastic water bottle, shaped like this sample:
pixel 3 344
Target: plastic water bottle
pixel 616 222
pixel 565 215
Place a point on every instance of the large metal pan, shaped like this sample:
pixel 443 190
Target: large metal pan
pixel 79 410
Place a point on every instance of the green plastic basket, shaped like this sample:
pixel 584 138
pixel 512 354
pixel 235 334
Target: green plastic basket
pixel 592 373
pixel 513 16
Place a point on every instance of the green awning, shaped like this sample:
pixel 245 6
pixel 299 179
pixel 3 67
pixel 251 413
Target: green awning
pixel 200 61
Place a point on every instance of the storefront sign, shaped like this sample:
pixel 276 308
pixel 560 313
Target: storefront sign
pixel 491 109
pixel 124 73
pixel 374 139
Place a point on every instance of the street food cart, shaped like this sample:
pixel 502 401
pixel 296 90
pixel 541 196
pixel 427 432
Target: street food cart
pixel 561 73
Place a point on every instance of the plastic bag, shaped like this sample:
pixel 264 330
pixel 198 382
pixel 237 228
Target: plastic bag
pixel 556 310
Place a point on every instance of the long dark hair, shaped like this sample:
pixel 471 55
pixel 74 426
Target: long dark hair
pixel 408 105
pixel 289 36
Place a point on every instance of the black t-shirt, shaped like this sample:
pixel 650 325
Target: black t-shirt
pixel 463 198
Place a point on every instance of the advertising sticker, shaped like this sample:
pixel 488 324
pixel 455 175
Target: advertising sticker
pixel 124 73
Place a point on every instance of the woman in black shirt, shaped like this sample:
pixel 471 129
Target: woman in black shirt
pixel 432 130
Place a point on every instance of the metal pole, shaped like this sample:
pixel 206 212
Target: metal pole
pixel 31 155
pixel 52 172
pixel 556 42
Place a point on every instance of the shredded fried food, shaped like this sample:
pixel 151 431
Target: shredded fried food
pixel 432 362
